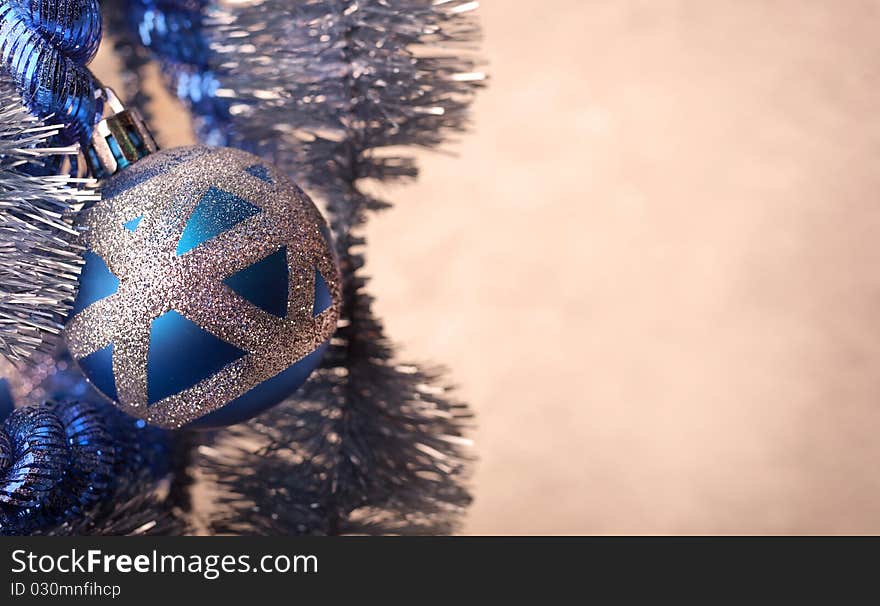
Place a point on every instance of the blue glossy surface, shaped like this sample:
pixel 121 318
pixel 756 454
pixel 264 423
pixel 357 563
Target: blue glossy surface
pixel 181 354
pixel 6 402
pixel 113 144
pixel 96 282
pixel 98 367
pixel 323 300
pixel 264 283
pixel 216 212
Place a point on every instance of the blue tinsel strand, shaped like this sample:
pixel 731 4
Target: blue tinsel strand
pixel 173 30
pixel 45 46
pixel 332 91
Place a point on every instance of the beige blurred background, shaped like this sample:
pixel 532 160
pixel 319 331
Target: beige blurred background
pixel 652 267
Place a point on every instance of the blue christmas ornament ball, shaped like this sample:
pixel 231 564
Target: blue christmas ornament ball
pixel 209 289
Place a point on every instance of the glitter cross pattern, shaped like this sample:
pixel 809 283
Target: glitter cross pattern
pixel 173 230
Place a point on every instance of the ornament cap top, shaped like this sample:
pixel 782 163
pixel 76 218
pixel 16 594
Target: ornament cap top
pixel 118 140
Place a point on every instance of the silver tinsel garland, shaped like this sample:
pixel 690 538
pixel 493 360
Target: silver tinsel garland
pixel 39 260
pixel 333 92
pixel 326 89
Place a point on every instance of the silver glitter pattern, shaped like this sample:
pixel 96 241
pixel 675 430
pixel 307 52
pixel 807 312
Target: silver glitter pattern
pixel 165 189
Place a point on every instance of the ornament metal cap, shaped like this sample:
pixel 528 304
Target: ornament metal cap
pixel 118 140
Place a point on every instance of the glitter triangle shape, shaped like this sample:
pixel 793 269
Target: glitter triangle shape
pixel 182 354
pixel 264 283
pixel 216 212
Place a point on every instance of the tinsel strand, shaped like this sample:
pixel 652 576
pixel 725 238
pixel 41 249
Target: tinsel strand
pixel 172 29
pixel 37 240
pixel 368 445
pixel 67 466
pixel 322 88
